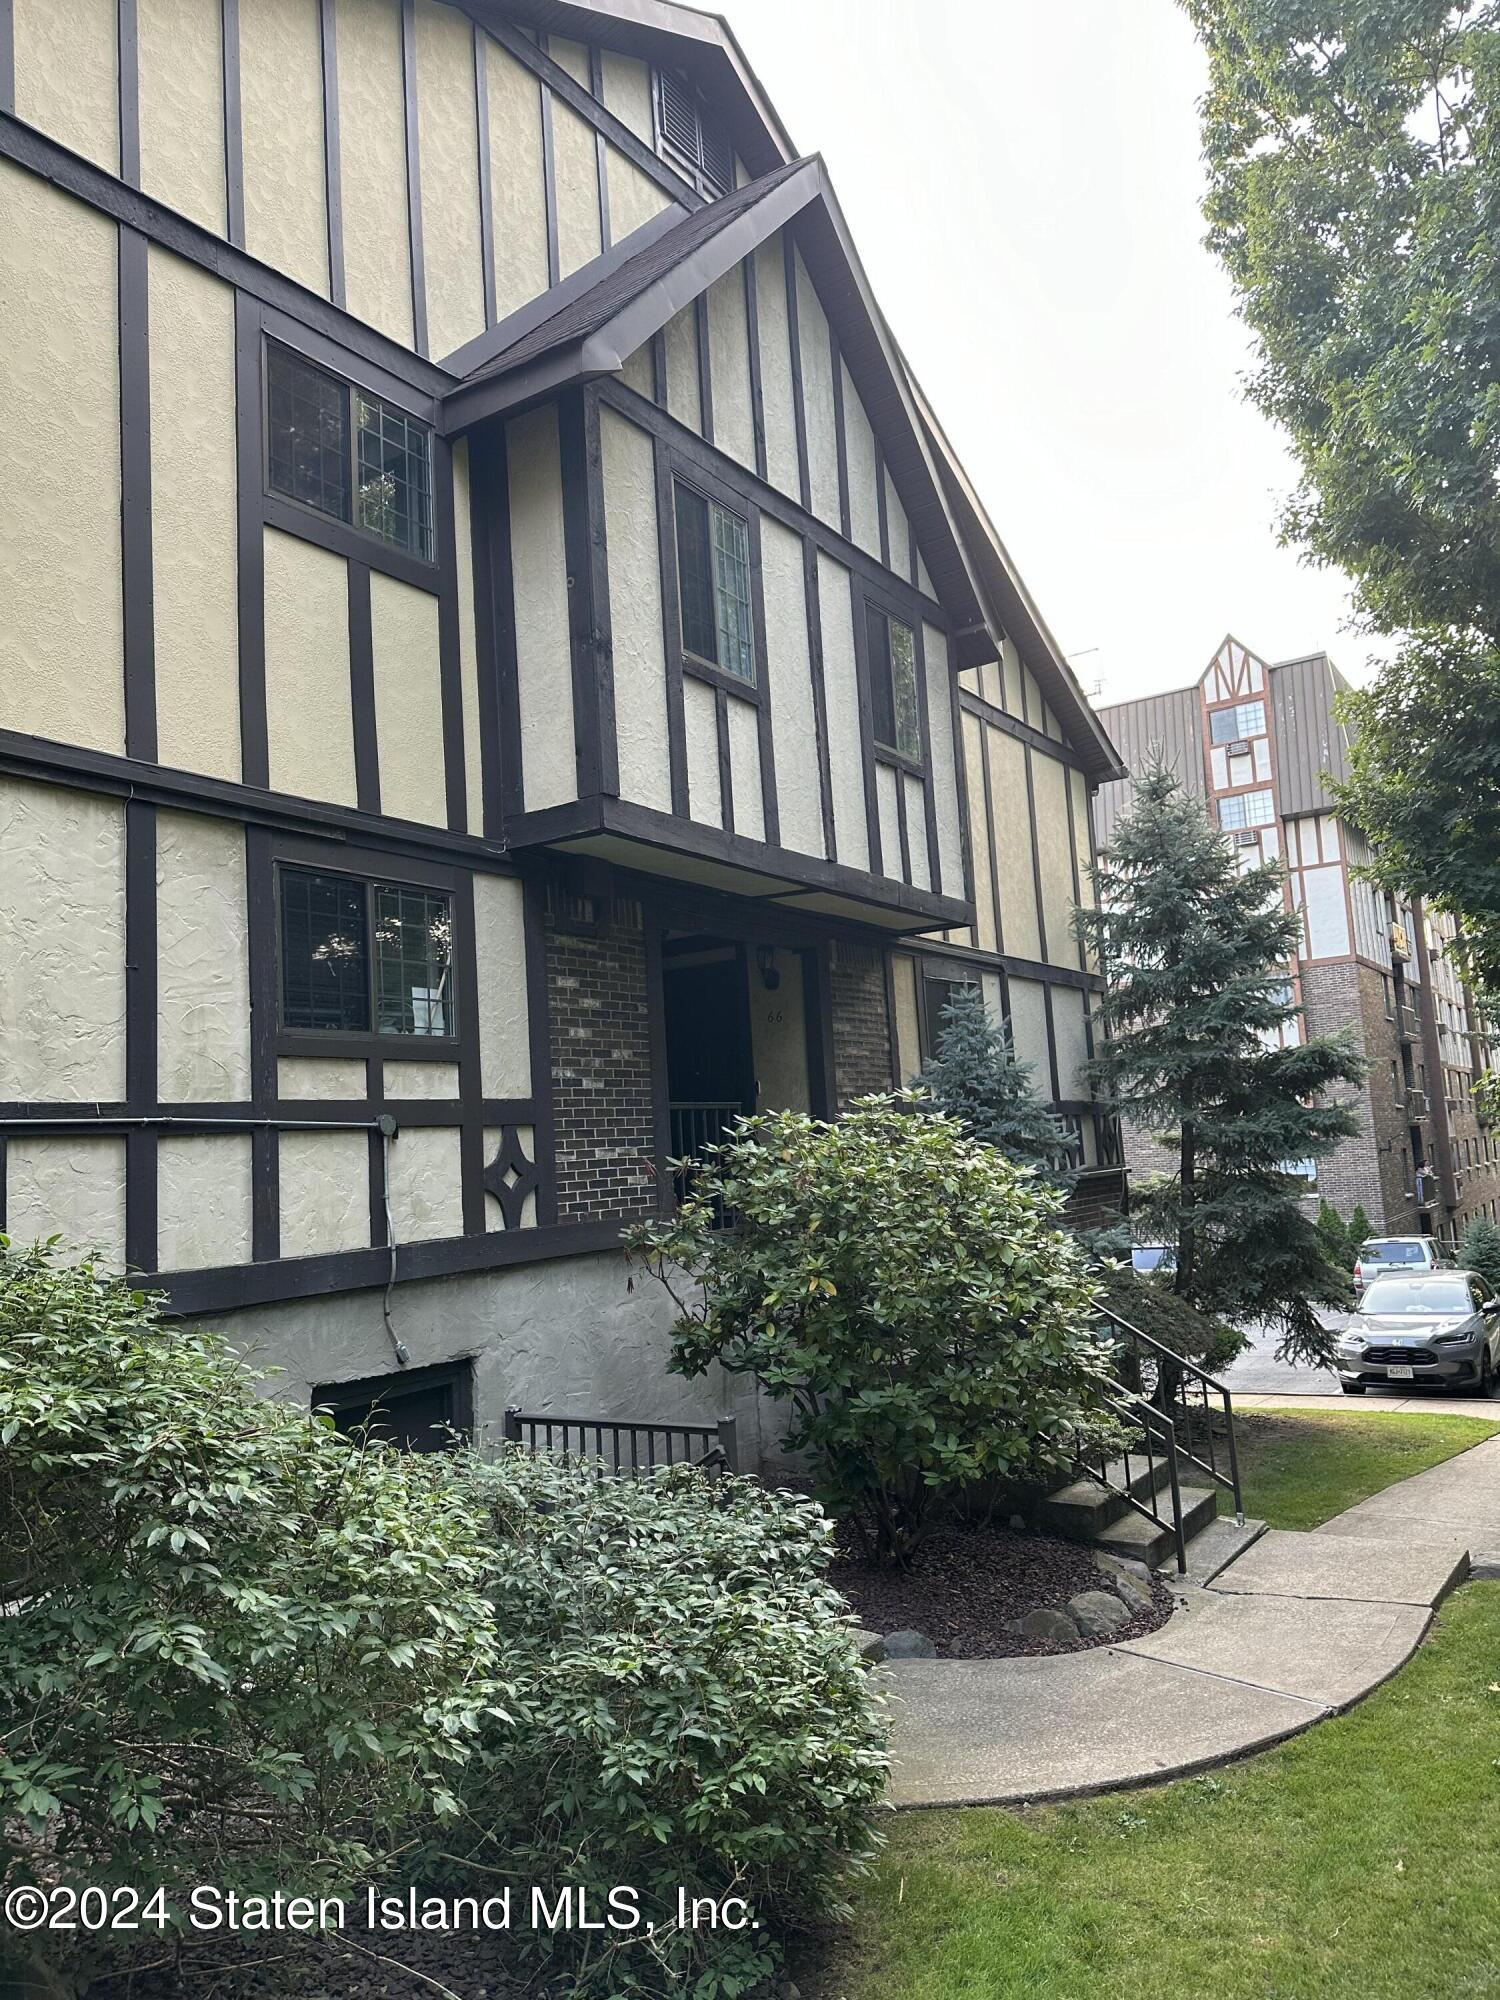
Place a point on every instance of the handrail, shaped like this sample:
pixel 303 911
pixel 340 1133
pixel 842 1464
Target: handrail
pixel 1155 1425
pixel 1179 1371
pixel 625 1448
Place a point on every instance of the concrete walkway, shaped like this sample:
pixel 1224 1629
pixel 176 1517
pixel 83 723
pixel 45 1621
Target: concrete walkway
pixel 1295 1628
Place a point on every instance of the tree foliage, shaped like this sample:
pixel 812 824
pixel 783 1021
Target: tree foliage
pixel 1479 1250
pixel 977 1078
pixel 904 1288
pixel 1354 192
pixel 1195 959
pixel 235 1648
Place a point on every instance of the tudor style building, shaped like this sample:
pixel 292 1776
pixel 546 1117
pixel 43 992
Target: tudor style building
pixel 1257 743
pixel 500 671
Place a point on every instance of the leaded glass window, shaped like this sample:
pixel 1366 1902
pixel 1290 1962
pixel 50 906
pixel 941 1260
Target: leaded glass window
pixel 713 580
pixel 372 469
pixel 360 956
pixel 895 715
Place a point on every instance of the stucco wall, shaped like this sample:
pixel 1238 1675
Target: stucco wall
pixel 65 74
pixel 372 157
pixel 281 94
pixel 864 489
pixel 744 769
pixel 634 198
pixel 68 1187
pixel 729 367
pixel 519 191
pixel 793 718
pixel 576 165
pixel 408 701
pixel 841 698
pixel 636 611
pixel 181 72
pixel 449 142
pixel 202 962
pixel 309 716
pixel 817 393
pixel 776 387
pixel 203 1201
pixel 701 732
pixel 549 771
pixel 680 338
pixel 500 952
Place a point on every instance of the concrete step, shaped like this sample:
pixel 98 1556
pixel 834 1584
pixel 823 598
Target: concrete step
pixel 1083 1509
pixel 1133 1535
pixel 1215 1547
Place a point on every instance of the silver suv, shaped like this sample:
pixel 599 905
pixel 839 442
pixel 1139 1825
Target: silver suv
pixel 1407 1256
pixel 1437 1327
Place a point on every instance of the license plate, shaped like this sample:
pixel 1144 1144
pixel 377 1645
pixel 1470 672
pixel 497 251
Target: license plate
pixel 1400 1374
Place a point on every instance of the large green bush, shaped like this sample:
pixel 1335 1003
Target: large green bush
pixel 694 1715
pixel 905 1288
pixel 1479 1250
pixel 234 1648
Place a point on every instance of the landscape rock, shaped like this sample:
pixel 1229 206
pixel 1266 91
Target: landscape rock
pixel 909 1646
pixel 869 1645
pixel 1097 1613
pixel 1056 1626
pixel 1122 1565
pixel 1132 1593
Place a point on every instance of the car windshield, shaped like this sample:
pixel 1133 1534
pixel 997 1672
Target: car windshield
pixel 1446 1297
pixel 1395 1253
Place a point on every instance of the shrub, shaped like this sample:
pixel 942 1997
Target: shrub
pixel 693 1713
pixel 235 1648
pixel 904 1288
pixel 1148 1301
pixel 1479 1250
pixel 977 1078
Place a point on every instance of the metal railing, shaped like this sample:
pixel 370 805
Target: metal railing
pixel 1191 1400
pixel 1156 1446
pixel 695 1127
pixel 625 1448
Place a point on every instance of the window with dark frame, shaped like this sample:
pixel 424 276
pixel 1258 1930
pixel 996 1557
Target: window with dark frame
pixel 359 957
pixel 895 717
pixel 713 583
pixel 347 454
pixel 425 1409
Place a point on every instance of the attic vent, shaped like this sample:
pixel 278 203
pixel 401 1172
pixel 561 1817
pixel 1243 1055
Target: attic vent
pixel 688 138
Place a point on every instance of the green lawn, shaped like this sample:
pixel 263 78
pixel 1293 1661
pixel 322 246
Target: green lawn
pixel 1358 1862
pixel 1298 1468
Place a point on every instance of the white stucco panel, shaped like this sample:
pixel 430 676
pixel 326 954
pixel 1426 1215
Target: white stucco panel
pixel 794 726
pixel 203 1202
pixel 841 702
pixel 500 950
pixel 324 1180
pixel 636 612
pixel 701 731
pixel 744 769
pixel 426 1186
pixel 68 1187
pixel 62 944
pixel 316 1077
pixel 202 959
pixel 539 563
pixel 420 1079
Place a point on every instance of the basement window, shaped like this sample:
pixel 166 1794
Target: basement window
pixel 365 957
pixel 347 454
pixel 690 139
pixel 420 1409
pixel 713 584
pixel 893 685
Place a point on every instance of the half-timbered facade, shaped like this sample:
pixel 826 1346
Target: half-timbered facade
pixel 500 671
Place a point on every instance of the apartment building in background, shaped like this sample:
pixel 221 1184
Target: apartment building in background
pixel 1257 743
pixel 500 672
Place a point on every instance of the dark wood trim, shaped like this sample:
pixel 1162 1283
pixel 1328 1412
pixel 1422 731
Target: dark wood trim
pixel 1051 1043
pixel 705 368
pixel 331 350
pixel 1024 732
pixel 588 594
pixel 659 370
pixel 128 84
pixel 892 1034
pixel 656 1028
pixel 928 773
pixel 129 206
pixel 757 386
pixel 766 734
pixel 859 613
pixel 255 754
pixel 362 690
pixel 486 174
pixel 965 956
pixel 799 399
pixel 549 188
pixel 140 1033
pixel 374 1108
pixel 137 580
pixel 8 109
pixel 470 1074
pixel 601 144
pixel 260 900
pixel 818 1026
pixel 495 630
pixel 813 596
pixel 539 1034
pixel 333 168
pixel 671 615
pixel 726 760
pixel 903 832
pixel 413 176
pixel 840 433
pixel 450 648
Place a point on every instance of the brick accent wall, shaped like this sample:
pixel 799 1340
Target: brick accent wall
pixel 1365 1169
pixel 601 1064
pixel 862 1060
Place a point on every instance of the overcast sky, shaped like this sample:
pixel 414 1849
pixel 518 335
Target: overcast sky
pixel 1022 180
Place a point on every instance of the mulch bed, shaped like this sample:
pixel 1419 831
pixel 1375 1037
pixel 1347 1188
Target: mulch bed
pixel 967 1585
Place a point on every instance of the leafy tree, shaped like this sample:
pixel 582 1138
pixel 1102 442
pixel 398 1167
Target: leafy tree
pixel 1194 955
pixel 235 1648
pixel 1354 184
pixel 1331 1227
pixel 1360 1231
pixel 977 1078
pixel 1479 1250
pixel 904 1288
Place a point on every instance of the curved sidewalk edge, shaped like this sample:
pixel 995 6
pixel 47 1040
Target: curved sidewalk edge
pixel 1295 1629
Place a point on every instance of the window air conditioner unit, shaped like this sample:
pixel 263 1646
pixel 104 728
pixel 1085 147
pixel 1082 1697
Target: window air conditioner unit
pixel 1240 749
pixel 1246 838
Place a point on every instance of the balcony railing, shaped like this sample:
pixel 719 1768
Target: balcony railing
pixel 696 1126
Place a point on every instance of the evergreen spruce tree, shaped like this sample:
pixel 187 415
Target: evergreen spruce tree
pixel 1194 955
pixel 1479 1250
pixel 1335 1234
pixel 1360 1231
pixel 977 1078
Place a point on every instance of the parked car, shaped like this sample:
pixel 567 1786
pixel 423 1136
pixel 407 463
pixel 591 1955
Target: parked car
pixel 1393 1253
pixel 1438 1327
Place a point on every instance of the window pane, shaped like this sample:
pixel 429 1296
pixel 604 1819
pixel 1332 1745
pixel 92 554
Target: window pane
pixel 695 575
pixel 908 739
pixel 395 476
pixel 882 699
pixel 1233 725
pixel 732 593
pixel 413 963
pixel 1246 809
pixel 309 443
pixel 324 953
